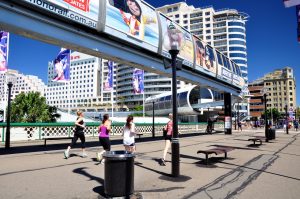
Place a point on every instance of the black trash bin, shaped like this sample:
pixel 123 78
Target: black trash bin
pixel 272 133
pixel 118 173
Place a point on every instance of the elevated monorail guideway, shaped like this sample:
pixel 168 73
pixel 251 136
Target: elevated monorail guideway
pixel 107 29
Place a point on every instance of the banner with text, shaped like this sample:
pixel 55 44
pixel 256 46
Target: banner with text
pixel 4 47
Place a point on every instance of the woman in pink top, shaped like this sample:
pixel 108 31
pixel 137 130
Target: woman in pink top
pixel 104 130
pixel 168 137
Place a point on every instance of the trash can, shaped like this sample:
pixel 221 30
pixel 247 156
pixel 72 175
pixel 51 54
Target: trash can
pixel 118 173
pixel 272 133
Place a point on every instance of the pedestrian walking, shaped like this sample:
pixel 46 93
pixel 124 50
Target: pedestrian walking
pixel 296 125
pixel 104 131
pixel 78 133
pixel 128 135
pixel 240 125
pixel 168 137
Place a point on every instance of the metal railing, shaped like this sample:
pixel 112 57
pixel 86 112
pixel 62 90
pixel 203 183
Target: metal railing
pixel 39 131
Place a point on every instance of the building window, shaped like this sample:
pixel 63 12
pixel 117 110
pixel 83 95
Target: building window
pixel 185 16
pixel 207 13
pixel 177 16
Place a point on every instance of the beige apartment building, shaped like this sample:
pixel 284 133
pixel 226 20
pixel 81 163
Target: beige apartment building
pixel 281 90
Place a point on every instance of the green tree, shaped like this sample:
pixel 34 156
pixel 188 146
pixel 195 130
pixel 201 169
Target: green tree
pixel 272 113
pixel 32 107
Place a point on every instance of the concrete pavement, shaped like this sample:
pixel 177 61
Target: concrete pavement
pixel 268 171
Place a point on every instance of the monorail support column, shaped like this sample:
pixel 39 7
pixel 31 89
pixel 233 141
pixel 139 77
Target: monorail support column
pixel 227 113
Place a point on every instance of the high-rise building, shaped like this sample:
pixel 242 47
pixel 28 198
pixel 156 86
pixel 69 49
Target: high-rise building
pixel 154 84
pixel 223 29
pixel 85 88
pixel 280 86
pixel 22 83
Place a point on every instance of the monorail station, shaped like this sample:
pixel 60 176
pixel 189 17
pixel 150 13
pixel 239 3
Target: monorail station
pixel 108 37
pixel 135 34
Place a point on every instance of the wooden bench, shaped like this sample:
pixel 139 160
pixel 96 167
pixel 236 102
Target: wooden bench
pixel 216 151
pixel 139 134
pixel 257 138
pixel 57 138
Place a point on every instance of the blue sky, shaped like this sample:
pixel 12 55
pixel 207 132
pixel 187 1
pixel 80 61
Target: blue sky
pixel 271 39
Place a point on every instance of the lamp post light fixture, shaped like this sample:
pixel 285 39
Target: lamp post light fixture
pixel 175 40
pixel 264 92
pixel 10 80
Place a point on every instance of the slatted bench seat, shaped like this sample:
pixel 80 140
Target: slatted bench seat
pixel 216 151
pixel 257 138
pixel 56 138
pixel 139 134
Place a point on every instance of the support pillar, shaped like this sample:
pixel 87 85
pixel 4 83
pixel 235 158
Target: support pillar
pixel 228 113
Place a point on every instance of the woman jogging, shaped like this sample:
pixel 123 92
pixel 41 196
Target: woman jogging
pixel 128 135
pixel 104 130
pixel 168 137
pixel 78 133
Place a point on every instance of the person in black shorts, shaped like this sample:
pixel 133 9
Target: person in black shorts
pixel 78 133
pixel 104 130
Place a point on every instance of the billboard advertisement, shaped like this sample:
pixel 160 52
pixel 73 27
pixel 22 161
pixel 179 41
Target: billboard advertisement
pixel 205 58
pixel 81 11
pixel 133 21
pixel 4 46
pixel 290 3
pixel 179 35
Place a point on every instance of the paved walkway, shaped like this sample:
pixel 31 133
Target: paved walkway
pixel 271 170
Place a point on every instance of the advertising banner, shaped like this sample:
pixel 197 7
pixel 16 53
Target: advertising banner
pixel 205 58
pixel 179 35
pixel 108 84
pixel 138 81
pixel 81 11
pixel 227 122
pixel 290 3
pixel 4 47
pixel 62 66
pixel 291 114
pixel 133 21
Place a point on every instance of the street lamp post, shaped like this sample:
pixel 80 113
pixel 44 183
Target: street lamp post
pixel 286 119
pixel 10 80
pixel 235 118
pixel 153 130
pixel 175 139
pixel 264 92
pixel 174 44
pixel 238 112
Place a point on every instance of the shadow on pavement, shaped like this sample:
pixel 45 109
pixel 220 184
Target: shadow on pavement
pixel 98 189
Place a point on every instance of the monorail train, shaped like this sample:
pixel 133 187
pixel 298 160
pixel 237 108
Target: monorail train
pixel 187 101
pixel 136 23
